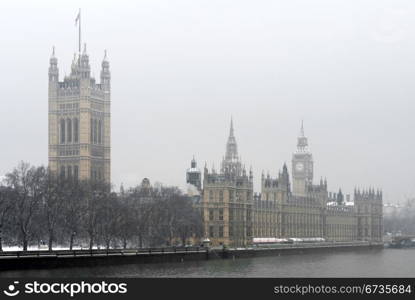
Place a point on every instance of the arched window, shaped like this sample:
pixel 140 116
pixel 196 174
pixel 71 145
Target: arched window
pixel 62 172
pixel 62 131
pixel 76 172
pixel 75 130
pixel 69 130
pixel 95 131
pixel 99 132
pixel 69 171
pixel 92 131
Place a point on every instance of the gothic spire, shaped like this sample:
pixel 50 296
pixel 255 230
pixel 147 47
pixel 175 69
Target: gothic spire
pixel 231 130
pixel 232 162
pixel 302 143
pixel 302 129
pixel 231 146
pixel 53 67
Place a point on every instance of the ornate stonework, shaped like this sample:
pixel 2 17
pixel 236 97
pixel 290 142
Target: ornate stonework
pixel 79 120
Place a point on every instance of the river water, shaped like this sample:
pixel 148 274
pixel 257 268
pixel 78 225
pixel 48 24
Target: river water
pixel 361 263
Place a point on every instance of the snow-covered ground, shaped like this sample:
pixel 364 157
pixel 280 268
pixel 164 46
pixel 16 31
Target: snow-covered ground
pixel 45 248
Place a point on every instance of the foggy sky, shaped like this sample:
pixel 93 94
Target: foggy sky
pixel 181 69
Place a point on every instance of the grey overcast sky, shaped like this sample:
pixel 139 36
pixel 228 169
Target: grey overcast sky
pixel 180 69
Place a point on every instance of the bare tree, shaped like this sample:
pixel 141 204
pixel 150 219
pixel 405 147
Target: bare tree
pixel 126 221
pixel 109 217
pixel 74 208
pixel 54 196
pixel 27 183
pixel 6 203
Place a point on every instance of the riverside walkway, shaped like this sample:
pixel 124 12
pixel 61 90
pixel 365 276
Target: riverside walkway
pixel 39 259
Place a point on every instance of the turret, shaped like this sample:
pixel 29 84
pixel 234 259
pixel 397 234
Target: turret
pixel 205 171
pixel 340 198
pixel 105 73
pixel 193 175
pixel 84 67
pixel 231 164
pixel 53 68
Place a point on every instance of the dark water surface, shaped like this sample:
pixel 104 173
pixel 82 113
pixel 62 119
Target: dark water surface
pixel 362 263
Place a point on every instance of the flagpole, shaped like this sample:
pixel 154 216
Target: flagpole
pixel 79 42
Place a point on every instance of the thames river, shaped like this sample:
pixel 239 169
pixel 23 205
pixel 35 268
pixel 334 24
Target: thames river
pixel 361 263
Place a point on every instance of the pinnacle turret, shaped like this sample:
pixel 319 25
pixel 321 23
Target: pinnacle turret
pixel 53 67
pixel 231 164
pixel 302 142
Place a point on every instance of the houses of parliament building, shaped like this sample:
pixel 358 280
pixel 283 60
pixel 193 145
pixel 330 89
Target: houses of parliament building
pixel 233 214
pixel 79 147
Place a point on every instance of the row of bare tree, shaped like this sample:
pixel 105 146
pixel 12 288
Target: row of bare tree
pixel 38 208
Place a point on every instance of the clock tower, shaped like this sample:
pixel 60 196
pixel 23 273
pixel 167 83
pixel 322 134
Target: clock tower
pixel 302 166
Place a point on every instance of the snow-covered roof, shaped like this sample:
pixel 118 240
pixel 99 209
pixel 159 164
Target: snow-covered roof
pixel 268 240
pixel 334 203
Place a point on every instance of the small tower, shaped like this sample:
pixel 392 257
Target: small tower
pixel 79 121
pixel 194 176
pixel 302 165
pixel 105 74
pixel 53 68
pixel 231 164
pixel 228 199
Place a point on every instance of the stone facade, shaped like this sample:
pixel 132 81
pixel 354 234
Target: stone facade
pixel 233 215
pixel 79 121
pixel 310 210
pixel 227 200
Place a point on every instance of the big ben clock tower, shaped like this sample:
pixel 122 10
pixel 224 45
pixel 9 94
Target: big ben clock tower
pixel 302 166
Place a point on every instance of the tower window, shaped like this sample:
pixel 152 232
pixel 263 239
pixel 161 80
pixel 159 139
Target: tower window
pixel 95 131
pixel 69 171
pixel 62 172
pixel 69 130
pixel 99 132
pixel 92 133
pixel 211 214
pixel 76 172
pixel 62 131
pixel 75 130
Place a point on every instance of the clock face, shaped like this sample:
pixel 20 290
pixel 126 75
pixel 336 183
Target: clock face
pixel 299 166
